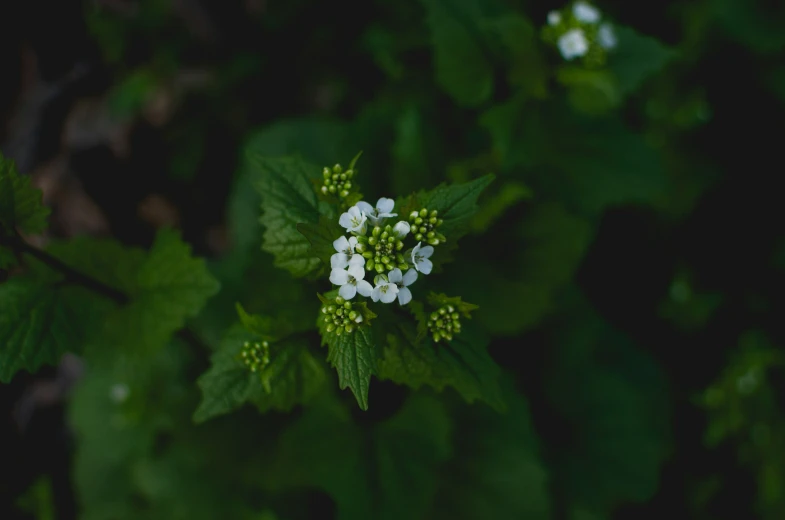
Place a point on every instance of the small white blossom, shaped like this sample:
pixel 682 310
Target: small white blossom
pixel 403 281
pixel 554 18
pixel 351 282
pixel 606 37
pixel 382 210
pixel 119 392
pixel 420 258
pixel 401 229
pixel 353 220
pixel 573 44
pixel 385 290
pixel 586 13
pixel 346 254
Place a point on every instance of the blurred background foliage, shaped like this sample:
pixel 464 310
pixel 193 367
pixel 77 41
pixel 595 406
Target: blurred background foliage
pixel 629 260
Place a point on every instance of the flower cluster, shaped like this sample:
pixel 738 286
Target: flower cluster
pixel 337 182
pixel 376 247
pixel 578 31
pixel 340 316
pixel 256 356
pixel 444 322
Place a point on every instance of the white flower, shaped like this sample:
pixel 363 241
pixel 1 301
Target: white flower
pixel 420 256
pixel 385 290
pixel 351 282
pixel 382 210
pixel 346 254
pixel 401 229
pixel 573 44
pixel 586 13
pixel 403 281
pixel 353 220
pixel 606 36
pixel 554 18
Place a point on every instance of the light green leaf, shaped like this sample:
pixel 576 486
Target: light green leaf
pixel 463 363
pixel 293 377
pixel 636 58
pixel 21 205
pixel 289 198
pixel 354 356
pixel 39 323
pixel 264 327
pixel 462 67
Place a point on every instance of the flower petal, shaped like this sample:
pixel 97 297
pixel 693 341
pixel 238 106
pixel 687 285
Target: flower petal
pixel 339 261
pixel 402 229
pixel 347 291
pixel 395 276
pixel 339 277
pixel 390 295
pixel 357 271
pixel 404 296
pixel 426 266
pixel 385 205
pixel 364 288
pixel 365 207
pixel 354 211
pixel 415 252
pixel 341 244
pixel 352 242
pixel 410 277
pixel 377 292
pixel 426 252
pixel 357 260
pixel 345 220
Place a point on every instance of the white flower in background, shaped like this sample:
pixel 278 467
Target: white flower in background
pixel 606 37
pixel 573 44
pixel 353 220
pixel 586 13
pixel 119 392
pixel 346 254
pixel 385 290
pixel 351 282
pixel 401 229
pixel 382 210
pixel 403 281
pixel 554 18
pixel 420 256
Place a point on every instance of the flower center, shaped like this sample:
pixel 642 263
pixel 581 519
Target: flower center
pixel 355 221
pixel 384 288
pixel 352 280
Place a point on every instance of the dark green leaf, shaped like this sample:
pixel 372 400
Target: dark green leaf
pixel 21 204
pixel 636 58
pixel 321 237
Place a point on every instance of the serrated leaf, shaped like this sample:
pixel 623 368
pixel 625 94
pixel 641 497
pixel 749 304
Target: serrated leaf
pixel 636 58
pixel 462 68
pixel 456 204
pixel 463 363
pixel 353 355
pixel 293 377
pixel 288 199
pixel 21 205
pixel 321 237
pixel 39 323
pixel 439 300
pixel 261 326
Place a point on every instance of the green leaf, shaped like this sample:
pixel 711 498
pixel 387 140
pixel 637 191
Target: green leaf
pixel 613 397
pixel 462 67
pixel 288 199
pixel 261 326
pixel 321 237
pixel 293 377
pixel 526 67
pixel 21 205
pixel 354 356
pixel 456 204
pixel 497 471
pixel 636 58
pixel 39 323
pixel 463 363
pixel 440 300
pixel 165 286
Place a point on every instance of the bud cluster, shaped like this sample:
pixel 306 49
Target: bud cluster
pixel 256 355
pixel 444 322
pixel 424 224
pixel 340 316
pixel 382 250
pixel 337 182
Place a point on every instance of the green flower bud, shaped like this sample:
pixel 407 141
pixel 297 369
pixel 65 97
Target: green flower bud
pixel 332 188
pixel 369 265
pixel 444 323
pixel 379 268
pixel 330 327
pixel 337 168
